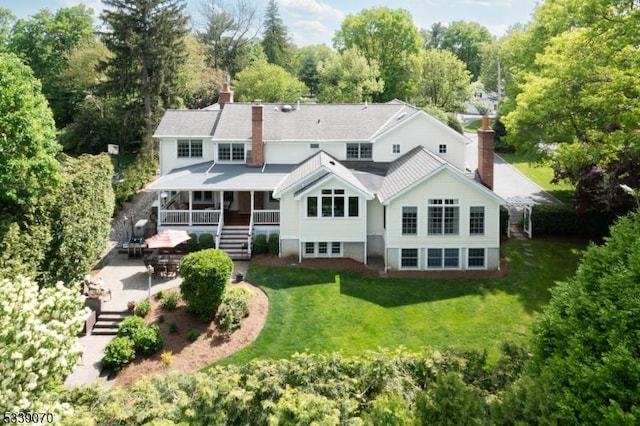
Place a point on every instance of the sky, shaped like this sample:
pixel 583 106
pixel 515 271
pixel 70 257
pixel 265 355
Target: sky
pixel 315 21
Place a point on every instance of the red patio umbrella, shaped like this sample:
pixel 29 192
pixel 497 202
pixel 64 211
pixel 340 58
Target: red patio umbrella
pixel 167 239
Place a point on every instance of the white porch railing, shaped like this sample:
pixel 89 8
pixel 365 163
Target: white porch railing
pixel 265 217
pixel 174 217
pixel 181 217
pixel 205 217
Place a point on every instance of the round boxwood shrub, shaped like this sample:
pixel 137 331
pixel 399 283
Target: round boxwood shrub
pixel 130 326
pixel 147 340
pixel 260 245
pixel 274 244
pixel 206 274
pixel 206 241
pixel 118 352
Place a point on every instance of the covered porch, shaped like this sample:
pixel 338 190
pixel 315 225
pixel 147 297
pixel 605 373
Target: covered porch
pixel 211 208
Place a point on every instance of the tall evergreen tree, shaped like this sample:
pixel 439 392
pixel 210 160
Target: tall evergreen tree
pixel 146 39
pixel 275 41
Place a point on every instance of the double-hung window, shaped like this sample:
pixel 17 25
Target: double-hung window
pixel 409 220
pixel 323 249
pixel 476 220
pixel 409 258
pixel 476 258
pixel 443 217
pixel 231 152
pixel 189 148
pixel 438 258
pixel 359 151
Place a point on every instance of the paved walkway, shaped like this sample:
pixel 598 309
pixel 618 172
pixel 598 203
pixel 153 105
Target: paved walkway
pixel 127 279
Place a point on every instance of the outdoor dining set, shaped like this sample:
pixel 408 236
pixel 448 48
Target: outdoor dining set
pixel 165 265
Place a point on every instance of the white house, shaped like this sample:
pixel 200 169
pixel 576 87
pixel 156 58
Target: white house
pixel 334 180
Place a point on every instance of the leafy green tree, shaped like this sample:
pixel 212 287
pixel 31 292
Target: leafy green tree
pixel 201 82
pixel 81 218
pixel 229 31
pixel 38 329
pixel 146 40
pixel 206 274
pixel 390 38
pixel 307 59
pixel 7 19
pixel 586 345
pixel 28 168
pixel 269 83
pixel 348 77
pixel 43 42
pixel 432 37
pixel 275 38
pixel 465 40
pixel 444 80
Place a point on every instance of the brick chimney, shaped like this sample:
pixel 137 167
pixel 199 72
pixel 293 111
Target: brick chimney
pixel 257 136
pixel 486 143
pixel 226 95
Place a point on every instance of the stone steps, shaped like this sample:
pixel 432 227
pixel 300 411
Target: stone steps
pixel 108 322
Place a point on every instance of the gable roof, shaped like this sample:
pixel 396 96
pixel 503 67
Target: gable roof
pixel 313 122
pixel 176 123
pixel 417 166
pixel 314 170
pixel 408 170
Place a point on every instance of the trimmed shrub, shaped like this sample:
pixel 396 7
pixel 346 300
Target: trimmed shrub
pixel 173 328
pixel 260 245
pixel 130 326
pixel 554 219
pixel 193 335
pixel 166 358
pixel 234 308
pixel 147 340
pixel 274 244
pixel 170 300
pixel 206 274
pixel 118 352
pixel 143 308
pixel 159 295
pixel 206 241
pixel 192 244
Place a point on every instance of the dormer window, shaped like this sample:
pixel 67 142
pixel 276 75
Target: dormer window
pixel 359 151
pixel 189 148
pixel 231 152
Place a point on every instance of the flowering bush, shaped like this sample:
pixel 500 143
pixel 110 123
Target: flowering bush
pixel 38 344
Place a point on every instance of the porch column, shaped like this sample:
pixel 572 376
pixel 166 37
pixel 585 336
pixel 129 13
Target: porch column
pixel 252 207
pixel 221 207
pixel 190 208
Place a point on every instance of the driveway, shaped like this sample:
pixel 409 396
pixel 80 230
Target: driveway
pixel 509 182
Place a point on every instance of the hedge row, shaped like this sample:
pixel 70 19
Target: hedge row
pixel 554 219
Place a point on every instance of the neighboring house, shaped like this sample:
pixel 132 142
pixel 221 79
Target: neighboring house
pixel 334 180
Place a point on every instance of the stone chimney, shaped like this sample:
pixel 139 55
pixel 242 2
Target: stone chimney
pixel 486 143
pixel 257 136
pixel 226 95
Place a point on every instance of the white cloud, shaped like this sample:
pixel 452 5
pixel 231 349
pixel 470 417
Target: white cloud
pixel 305 8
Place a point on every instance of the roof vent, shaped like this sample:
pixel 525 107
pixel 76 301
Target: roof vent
pixel 401 116
pixel 286 108
pixel 333 163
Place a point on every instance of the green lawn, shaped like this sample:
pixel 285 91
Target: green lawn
pixel 541 174
pixel 319 310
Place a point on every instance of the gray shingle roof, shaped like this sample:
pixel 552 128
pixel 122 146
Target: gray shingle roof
pixel 316 122
pixel 187 123
pixel 318 166
pixel 407 170
pixel 229 177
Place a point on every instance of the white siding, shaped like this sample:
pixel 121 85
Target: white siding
pixel 334 228
pixel 420 131
pixel 289 217
pixel 442 186
pixel 293 152
pixel 169 154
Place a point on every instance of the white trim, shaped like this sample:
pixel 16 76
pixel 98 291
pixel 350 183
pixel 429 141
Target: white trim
pixel 326 179
pixel 409 268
